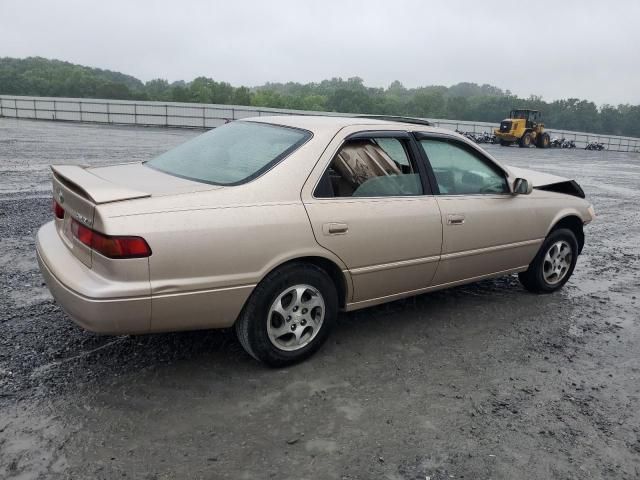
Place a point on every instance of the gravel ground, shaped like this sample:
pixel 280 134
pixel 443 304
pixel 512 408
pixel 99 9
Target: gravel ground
pixel 480 381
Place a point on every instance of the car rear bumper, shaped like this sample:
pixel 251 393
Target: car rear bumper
pixel 85 295
pixel 104 305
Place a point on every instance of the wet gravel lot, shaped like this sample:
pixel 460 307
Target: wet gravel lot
pixel 481 381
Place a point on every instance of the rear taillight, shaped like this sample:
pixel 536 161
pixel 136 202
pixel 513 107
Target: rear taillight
pixel 58 211
pixel 110 246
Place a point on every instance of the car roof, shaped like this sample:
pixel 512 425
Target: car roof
pixel 319 123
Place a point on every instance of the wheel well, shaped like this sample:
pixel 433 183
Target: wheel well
pixel 574 224
pixel 331 269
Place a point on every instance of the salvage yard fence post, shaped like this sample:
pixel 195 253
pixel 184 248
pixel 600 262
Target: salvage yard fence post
pixel 203 116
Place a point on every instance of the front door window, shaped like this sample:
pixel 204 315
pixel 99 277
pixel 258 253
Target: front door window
pixel 460 171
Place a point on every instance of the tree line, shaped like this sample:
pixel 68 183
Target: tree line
pixel 464 101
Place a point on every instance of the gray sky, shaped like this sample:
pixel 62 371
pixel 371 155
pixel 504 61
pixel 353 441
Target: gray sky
pixel 587 49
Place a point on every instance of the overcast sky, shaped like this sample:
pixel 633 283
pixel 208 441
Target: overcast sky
pixel 585 49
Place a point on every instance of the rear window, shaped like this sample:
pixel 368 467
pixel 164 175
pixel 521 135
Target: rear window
pixel 232 154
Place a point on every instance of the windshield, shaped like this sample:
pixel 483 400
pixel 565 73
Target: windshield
pixel 232 154
pixel 524 114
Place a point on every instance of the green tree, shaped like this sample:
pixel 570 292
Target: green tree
pixel 157 89
pixel 463 101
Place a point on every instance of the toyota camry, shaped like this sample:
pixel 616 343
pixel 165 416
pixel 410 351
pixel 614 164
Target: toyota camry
pixel 273 225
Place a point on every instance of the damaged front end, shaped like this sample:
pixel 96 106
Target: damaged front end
pixel 568 187
pixel 549 183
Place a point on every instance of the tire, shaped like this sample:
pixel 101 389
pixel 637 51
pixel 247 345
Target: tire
pixel 525 141
pixel 504 143
pixel 271 338
pixel 539 278
pixel 543 141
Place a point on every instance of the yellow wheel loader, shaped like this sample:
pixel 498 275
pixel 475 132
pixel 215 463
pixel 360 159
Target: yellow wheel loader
pixel 523 127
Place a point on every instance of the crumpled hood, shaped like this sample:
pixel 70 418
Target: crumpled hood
pixel 548 182
pixel 538 179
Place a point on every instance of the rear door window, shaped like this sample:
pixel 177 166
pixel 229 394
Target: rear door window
pixel 372 167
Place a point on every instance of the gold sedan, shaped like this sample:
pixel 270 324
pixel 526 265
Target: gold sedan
pixel 274 224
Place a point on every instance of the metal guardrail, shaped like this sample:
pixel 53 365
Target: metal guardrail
pixel 197 115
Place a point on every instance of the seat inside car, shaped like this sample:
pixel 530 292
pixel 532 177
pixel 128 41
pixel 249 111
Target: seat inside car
pixel 358 162
pixel 446 181
pixel 471 183
pixel 390 185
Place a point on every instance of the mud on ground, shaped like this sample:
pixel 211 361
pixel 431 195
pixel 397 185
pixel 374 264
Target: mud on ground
pixel 480 381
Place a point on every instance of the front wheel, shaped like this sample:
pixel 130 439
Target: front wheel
pixel 554 263
pixel 526 140
pixel 289 315
pixel 543 141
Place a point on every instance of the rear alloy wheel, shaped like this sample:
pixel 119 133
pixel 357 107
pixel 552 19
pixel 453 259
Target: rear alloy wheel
pixel 289 315
pixel 553 264
pixel 525 141
pixel 543 141
pixel 295 317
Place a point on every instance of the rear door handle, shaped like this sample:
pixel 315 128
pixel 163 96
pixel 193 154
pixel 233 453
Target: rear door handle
pixel 335 228
pixel 455 219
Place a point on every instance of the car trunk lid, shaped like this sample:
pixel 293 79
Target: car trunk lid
pixel 137 177
pixel 79 190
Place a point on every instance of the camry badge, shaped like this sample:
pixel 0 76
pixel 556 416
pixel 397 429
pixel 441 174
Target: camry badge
pixel 84 219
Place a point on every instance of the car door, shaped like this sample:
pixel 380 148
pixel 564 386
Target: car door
pixel 486 229
pixel 369 203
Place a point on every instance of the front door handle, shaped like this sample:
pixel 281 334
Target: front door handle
pixel 335 228
pixel 455 219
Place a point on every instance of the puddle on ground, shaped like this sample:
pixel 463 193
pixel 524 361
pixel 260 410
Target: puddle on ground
pixel 31 444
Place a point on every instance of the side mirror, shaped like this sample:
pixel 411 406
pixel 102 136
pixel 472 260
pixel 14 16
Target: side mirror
pixel 522 186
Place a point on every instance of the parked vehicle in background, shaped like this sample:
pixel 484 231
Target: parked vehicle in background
pixel 271 225
pixel 595 146
pixel 556 142
pixel 484 137
pixel 523 127
pixel 562 143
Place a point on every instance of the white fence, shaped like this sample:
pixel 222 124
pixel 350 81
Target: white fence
pixel 198 115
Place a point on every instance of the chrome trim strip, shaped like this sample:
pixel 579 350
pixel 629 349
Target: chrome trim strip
pixel 496 248
pixel 435 258
pixel 199 291
pixel 392 265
